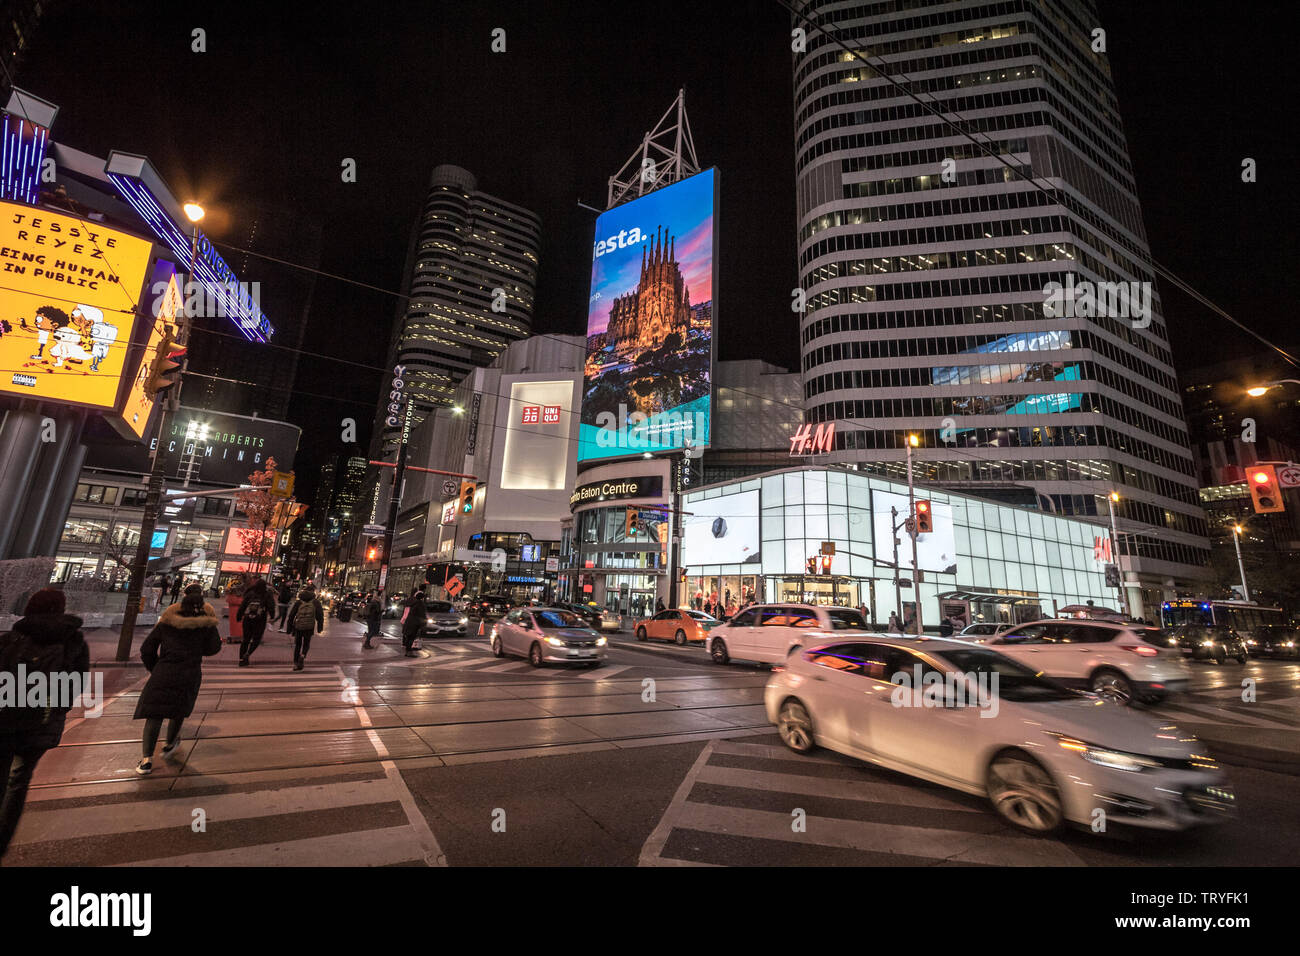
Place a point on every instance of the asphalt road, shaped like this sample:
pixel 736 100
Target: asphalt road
pixel 658 757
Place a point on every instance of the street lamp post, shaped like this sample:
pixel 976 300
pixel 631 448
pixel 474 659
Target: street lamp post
pixel 153 495
pixel 912 442
pixel 1241 567
pixel 1255 391
pixel 1114 551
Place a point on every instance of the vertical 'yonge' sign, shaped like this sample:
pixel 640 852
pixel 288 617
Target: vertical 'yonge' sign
pixel 395 396
pixel 647 382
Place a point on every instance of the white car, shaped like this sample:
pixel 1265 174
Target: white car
pixel 767 633
pixel 981 723
pixel 547 635
pixel 1124 662
pixel 980 632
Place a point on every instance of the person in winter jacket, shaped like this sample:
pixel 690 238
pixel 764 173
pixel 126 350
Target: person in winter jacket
pixel 285 597
pixel 413 621
pixel 48 640
pixel 374 613
pixel 173 654
pixel 254 611
pixel 305 618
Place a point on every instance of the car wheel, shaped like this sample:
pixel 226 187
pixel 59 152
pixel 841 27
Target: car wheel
pixel 1241 658
pixel 1220 655
pixel 680 638
pixel 1113 686
pixel 640 633
pixel 795 727
pixel 1023 794
pixel 497 649
pixel 535 655
pixel 718 651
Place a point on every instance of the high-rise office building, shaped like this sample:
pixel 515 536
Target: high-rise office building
pixel 928 269
pixel 471 276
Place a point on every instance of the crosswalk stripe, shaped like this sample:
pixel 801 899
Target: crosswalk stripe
pixel 603 673
pixel 739 748
pixel 76 822
pixel 1201 715
pixel 994 849
pixel 863 791
pixel 361 848
pixel 508 666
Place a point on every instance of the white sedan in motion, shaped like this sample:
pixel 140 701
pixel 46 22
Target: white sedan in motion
pixel 967 717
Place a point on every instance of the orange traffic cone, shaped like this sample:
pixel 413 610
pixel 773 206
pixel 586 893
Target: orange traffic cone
pixel 480 627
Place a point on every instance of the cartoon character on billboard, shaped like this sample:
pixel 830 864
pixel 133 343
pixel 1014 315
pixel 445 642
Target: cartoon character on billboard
pixel 48 319
pixel 103 335
pixel 74 337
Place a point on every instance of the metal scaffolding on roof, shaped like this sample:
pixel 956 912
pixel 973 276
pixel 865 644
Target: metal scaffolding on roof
pixel 666 156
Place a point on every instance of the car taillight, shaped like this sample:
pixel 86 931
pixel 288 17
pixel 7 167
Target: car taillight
pixel 1142 650
pixel 777 668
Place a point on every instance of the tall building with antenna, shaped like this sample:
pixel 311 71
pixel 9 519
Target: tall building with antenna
pixel 1014 326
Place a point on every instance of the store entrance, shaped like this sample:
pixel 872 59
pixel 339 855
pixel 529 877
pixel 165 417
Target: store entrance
pixel 822 589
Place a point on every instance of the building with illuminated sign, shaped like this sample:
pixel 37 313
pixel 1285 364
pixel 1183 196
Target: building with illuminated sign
pixel 928 269
pixel 471 275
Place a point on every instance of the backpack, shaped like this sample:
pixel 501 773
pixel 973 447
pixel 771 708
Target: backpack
pixel 305 617
pixel 19 649
pixel 254 609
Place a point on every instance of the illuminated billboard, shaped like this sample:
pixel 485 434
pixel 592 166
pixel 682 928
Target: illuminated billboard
pixel 935 551
pixel 537 436
pixel 722 531
pixel 647 382
pixel 68 300
pixel 137 406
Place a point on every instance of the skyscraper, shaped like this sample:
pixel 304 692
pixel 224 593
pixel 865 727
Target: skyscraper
pixel 471 275
pixel 928 269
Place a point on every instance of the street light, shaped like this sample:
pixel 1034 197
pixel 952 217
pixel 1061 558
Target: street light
pixel 193 212
pixel 1255 391
pixel 1114 550
pixel 912 442
pixel 1241 567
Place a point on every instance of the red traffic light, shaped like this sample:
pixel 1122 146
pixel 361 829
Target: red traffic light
pixel 1259 477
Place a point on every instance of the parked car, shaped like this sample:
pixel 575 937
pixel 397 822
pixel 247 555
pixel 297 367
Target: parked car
pixel 1121 661
pixel 1277 640
pixel 980 632
pixel 1041 753
pixel 767 633
pixel 680 627
pixel 588 612
pixel 609 620
pixel 547 635
pixel 1216 642
pixel 444 620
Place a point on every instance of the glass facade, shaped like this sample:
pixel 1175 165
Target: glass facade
pixel 989 549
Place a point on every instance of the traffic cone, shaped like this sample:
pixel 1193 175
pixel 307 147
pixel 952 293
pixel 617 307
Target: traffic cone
pixel 480 627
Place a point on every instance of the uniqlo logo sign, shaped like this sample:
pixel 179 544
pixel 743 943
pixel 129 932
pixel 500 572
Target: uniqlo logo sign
pixel 551 415
pixel 532 414
pixel 541 415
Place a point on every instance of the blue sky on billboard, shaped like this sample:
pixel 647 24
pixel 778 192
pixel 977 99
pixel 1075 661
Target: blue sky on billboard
pixel 647 384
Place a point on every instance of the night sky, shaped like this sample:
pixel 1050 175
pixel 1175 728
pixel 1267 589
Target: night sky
pixel 284 94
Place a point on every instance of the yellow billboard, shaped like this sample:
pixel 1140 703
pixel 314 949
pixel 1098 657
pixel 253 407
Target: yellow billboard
pixel 137 406
pixel 68 296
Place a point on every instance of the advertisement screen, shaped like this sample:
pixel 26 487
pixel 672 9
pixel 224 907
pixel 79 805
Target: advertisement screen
pixel 138 406
pixel 936 551
pixel 68 302
pixel 537 424
pixel 722 531
pixel 206 446
pixel 648 376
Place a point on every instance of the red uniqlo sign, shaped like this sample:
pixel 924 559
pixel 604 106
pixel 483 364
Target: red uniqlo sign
pixel 551 415
pixel 532 415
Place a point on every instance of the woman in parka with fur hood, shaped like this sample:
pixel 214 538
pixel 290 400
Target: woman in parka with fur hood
pixel 173 654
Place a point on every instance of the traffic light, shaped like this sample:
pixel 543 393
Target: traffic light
pixel 165 366
pixel 924 522
pixel 812 565
pixel 630 523
pixel 1264 491
pixel 467 490
pixel 826 563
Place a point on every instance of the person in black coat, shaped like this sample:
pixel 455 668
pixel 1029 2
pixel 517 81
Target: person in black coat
pixel 305 611
pixel 254 611
pixel 374 613
pixel 417 614
pixel 173 654
pixel 26 733
pixel 285 597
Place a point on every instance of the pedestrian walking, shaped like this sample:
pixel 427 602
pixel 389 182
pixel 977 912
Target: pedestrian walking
pixel 305 617
pixel 374 611
pixel 254 611
pixel 173 654
pixel 413 619
pixel 893 622
pixel 285 598
pixel 162 584
pixel 660 607
pixel 44 640
pixel 176 588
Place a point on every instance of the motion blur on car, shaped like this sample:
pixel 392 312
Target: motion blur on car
pixel 1210 642
pixel 970 718
pixel 679 626
pixel 547 635
pixel 1277 640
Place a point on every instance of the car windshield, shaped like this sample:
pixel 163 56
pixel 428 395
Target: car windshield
pixel 438 607
pixel 843 619
pixel 1015 681
pixel 557 618
pixel 701 616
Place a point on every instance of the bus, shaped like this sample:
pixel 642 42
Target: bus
pixel 1242 617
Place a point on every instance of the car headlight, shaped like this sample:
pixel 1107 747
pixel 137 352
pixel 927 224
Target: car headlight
pixel 1207 643
pixel 1104 757
pixel 554 642
pixel 601 642
pixel 1289 644
pixel 428 620
pixel 464 620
